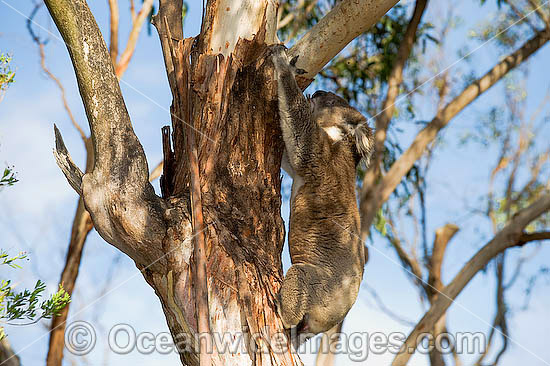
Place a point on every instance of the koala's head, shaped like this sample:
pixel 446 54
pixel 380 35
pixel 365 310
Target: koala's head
pixel 341 121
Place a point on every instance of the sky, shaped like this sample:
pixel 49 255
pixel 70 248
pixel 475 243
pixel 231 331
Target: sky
pixel 36 214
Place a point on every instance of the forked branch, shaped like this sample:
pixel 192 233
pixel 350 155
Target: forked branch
pixel 71 171
pixel 117 193
pixel 511 235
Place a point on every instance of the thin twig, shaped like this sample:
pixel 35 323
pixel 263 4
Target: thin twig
pixel 40 45
pixel 133 37
pixel 114 18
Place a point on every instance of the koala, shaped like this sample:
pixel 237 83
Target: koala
pixel 325 139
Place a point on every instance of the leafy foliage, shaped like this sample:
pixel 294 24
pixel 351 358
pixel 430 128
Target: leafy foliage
pixel 8 177
pixel 7 75
pixel 12 261
pixel 26 304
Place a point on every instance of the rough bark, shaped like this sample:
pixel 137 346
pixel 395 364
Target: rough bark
pixel 232 106
pixel 509 236
pixel 380 194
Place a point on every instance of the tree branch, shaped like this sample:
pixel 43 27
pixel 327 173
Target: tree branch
pixel 428 134
pixel 114 17
pixel 499 321
pixel 526 238
pixel 134 35
pixel 385 309
pixel 117 192
pixel 410 262
pixel 442 237
pixel 202 311
pixel 508 237
pixel 171 11
pixel 347 20
pixel 7 356
pixel 82 225
pixel 540 12
pixel 66 163
pixel 42 54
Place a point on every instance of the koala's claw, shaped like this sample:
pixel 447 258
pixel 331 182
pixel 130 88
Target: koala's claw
pixel 280 57
pixel 278 48
pixel 296 70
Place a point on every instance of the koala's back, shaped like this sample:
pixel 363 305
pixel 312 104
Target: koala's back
pixel 324 218
pixel 326 252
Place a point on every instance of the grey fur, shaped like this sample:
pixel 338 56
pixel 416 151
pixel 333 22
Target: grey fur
pixel 325 139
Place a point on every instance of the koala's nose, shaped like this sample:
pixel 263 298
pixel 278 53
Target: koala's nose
pixel 319 93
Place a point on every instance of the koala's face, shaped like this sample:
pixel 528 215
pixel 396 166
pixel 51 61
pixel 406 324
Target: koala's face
pixel 330 110
pixel 342 121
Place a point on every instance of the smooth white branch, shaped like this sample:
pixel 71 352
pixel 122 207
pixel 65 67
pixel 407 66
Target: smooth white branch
pixel 347 20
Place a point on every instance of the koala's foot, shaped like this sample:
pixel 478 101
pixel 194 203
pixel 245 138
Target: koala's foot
pixel 292 304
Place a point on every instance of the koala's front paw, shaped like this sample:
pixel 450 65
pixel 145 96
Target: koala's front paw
pixel 281 59
pixel 279 56
pixel 278 49
pixel 295 69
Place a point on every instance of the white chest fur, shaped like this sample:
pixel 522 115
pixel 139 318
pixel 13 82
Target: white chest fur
pixel 335 133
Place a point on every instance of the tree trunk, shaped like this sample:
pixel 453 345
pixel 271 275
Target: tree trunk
pixel 224 90
pixel 239 151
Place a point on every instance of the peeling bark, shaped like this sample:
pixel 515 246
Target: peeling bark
pixel 231 103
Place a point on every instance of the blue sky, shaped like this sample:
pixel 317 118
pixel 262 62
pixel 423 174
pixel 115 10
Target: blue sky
pixel 37 212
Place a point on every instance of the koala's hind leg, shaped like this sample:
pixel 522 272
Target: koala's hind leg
pixel 295 294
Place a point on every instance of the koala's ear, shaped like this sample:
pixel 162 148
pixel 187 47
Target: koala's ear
pixel 364 141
